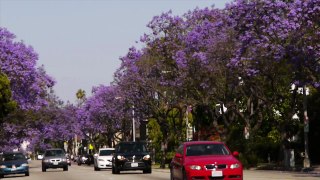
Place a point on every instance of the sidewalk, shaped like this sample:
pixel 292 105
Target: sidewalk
pixel 157 168
pixel 314 170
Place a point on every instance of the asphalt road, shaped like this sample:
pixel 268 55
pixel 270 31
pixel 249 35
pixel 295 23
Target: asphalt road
pixel 85 172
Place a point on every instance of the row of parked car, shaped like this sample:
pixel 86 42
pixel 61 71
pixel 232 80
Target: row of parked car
pixel 195 159
pixel 101 160
pixel 126 156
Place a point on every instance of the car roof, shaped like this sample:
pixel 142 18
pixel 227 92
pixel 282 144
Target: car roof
pixel 13 152
pixel 202 142
pixel 106 149
pixel 55 149
pixel 132 142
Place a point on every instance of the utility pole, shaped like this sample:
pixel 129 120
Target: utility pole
pixel 187 122
pixel 133 126
pixel 306 161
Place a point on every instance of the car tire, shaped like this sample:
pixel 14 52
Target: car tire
pixel 171 175
pixel 115 170
pixel 27 173
pixel 147 171
pixel 1 176
pixel 65 168
pixel 96 168
pixel 44 169
pixel 184 175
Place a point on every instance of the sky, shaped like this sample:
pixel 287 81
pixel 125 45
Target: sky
pixel 79 42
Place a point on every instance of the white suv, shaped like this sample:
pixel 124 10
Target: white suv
pixel 103 159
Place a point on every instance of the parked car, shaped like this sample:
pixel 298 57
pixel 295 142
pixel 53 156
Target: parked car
pixel 68 160
pixel 81 159
pixel 131 156
pixel 103 159
pixel 54 158
pixel 40 156
pixel 13 163
pixel 205 160
pixel 85 159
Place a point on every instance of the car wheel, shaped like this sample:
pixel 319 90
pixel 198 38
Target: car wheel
pixel 184 174
pixel 96 169
pixel 1 176
pixel 27 173
pixel 115 170
pixel 44 169
pixel 171 175
pixel 149 171
pixel 65 168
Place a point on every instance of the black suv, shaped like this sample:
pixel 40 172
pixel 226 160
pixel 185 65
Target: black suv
pixel 131 156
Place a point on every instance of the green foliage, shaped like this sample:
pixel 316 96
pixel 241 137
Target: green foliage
pixel 155 134
pixel 175 134
pixel 7 105
pixel 274 135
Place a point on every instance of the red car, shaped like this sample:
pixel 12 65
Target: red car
pixel 205 160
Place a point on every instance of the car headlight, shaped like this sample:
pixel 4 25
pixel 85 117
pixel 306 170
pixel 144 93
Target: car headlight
pixel 46 160
pixel 120 157
pixel 234 166
pixel 25 165
pixel 100 160
pixel 146 157
pixel 195 167
pixel 3 166
pixel 63 160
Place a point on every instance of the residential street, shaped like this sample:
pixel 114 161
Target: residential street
pixel 84 172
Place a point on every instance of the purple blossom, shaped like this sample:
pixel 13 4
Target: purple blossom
pixel 29 84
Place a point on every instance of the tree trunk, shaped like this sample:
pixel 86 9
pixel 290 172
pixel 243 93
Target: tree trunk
pixel 164 154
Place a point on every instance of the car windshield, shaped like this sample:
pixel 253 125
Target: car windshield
pixel 131 147
pixel 13 156
pixel 106 152
pixel 206 149
pixel 57 152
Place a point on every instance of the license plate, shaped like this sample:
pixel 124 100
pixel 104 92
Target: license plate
pixel 55 163
pixel 13 168
pixel 216 174
pixel 134 164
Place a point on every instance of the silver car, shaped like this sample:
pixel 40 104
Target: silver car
pixel 54 158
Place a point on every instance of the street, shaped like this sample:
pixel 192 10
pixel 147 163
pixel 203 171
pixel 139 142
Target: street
pixel 84 172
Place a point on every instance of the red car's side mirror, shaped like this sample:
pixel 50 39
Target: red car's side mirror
pixel 235 154
pixel 178 155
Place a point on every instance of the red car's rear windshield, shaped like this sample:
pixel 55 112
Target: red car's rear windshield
pixel 206 149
